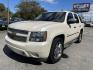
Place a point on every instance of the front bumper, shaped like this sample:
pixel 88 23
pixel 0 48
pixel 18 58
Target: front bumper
pixel 29 49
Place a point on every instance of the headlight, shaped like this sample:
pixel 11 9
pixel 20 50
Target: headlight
pixel 38 36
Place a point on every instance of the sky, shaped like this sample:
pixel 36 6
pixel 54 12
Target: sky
pixel 50 5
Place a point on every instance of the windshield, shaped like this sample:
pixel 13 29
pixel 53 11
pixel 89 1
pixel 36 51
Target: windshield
pixel 52 16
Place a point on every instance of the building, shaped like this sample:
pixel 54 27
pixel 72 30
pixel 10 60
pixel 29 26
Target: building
pixel 88 16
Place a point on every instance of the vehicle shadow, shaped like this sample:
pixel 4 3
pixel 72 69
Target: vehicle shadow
pixel 26 60
pixel 3 28
pixel 65 56
pixel 66 47
pixel 20 58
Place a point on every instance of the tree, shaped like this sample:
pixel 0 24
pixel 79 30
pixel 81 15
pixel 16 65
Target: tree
pixel 4 11
pixel 29 9
pixel 2 7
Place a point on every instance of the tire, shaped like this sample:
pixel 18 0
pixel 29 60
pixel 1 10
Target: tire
pixel 56 51
pixel 79 39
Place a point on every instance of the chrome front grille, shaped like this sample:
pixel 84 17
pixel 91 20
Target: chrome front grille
pixel 18 31
pixel 18 35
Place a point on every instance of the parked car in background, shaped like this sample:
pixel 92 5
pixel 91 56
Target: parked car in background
pixel 3 23
pixel 89 23
pixel 12 20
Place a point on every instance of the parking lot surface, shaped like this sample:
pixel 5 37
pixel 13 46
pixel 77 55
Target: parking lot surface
pixel 76 56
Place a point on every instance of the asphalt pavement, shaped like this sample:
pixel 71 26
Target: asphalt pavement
pixel 76 56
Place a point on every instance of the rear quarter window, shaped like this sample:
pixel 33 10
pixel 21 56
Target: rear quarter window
pixel 76 17
pixel 81 20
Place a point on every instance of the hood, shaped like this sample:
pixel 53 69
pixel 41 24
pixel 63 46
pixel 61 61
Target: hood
pixel 31 25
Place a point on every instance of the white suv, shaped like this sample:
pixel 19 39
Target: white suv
pixel 46 36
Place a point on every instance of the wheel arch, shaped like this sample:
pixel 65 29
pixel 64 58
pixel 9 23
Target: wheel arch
pixel 62 36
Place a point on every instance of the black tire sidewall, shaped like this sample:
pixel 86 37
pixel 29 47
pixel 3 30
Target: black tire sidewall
pixel 78 39
pixel 51 58
pixel 80 35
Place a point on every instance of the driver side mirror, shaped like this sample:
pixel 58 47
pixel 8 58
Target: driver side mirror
pixel 71 21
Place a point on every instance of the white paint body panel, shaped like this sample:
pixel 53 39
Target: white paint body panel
pixel 42 49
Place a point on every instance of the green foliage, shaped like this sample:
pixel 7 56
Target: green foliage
pixel 4 11
pixel 2 7
pixel 29 10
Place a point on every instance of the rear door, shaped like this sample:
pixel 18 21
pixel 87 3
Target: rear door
pixel 78 24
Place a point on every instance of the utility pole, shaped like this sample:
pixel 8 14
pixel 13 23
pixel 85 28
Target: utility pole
pixel 8 15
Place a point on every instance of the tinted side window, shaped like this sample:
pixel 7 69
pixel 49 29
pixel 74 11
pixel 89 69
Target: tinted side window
pixel 76 17
pixel 81 19
pixel 70 16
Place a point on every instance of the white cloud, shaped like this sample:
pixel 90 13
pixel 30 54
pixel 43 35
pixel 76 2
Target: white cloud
pixel 49 1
